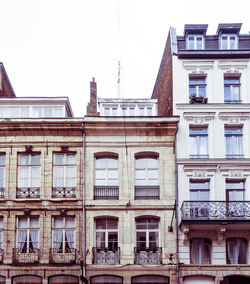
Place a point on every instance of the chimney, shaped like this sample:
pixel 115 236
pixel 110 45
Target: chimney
pixel 92 105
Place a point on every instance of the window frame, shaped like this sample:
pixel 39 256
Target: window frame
pixel 3 170
pixel 198 83
pixel 195 36
pixel 239 187
pixel 147 181
pixel 236 146
pixel 200 189
pixel 232 86
pixel 201 250
pixel 236 259
pixel 228 37
pixel 195 142
pixel 1 232
pixel 106 232
pixel 107 181
pixel 64 229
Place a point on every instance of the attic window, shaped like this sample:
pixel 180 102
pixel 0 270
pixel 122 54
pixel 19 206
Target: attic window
pixel 195 42
pixel 228 41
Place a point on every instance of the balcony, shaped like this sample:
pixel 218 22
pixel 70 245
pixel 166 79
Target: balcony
pixel 192 211
pixel 105 256
pixel 63 192
pixel 1 255
pixel 148 256
pixel 28 192
pixel 106 192
pixel 147 192
pixel 63 256
pixel 1 192
pixel 28 256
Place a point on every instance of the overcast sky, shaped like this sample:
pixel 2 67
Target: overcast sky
pixel 55 47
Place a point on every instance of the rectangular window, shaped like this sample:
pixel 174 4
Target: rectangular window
pixel 195 42
pixel 197 88
pixel 146 171
pixel 64 233
pixel 233 139
pixel 198 142
pixel 236 249
pixel 106 171
pixel 27 233
pixel 200 251
pixel 64 170
pixel 229 41
pixel 1 232
pixel 232 90
pixel 235 190
pixel 199 190
pixel 2 175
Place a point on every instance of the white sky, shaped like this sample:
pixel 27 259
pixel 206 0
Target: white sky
pixel 55 47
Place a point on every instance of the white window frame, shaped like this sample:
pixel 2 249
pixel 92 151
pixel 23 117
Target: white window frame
pixel 195 36
pixel 235 186
pixel 29 166
pixel 106 232
pixel 65 165
pixel 64 229
pixel 196 139
pixel 28 228
pixel 147 231
pixel 2 169
pixel 228 36
pixel 232 86
pixel 146 181
pixel 199 190
pixel 1 232
pixel 229 140
pixel 108 180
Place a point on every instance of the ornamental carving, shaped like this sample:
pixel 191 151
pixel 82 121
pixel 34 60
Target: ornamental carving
pixel 200 174
pixel 235 174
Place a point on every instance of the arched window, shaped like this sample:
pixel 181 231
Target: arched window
pixel 25 279
pixel 106 185
pixel 146 176
pixel 106 279
pixel 63 279
pixel 236 250
pixel 150 279
pixel 200 251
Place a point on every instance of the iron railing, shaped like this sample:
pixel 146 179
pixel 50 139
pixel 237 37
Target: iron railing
pixel 147 192
pixel 106 192
pixel 62 255
pixel 63 192
pixel 215 210
pixel 148 256
pixel 30 255
pixel 1 192
pixel 28 192
pixel 106 256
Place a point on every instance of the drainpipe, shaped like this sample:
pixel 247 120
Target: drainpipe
pixel 176 209
pixel 83 261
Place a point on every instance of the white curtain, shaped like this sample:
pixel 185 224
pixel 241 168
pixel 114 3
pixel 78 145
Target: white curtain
pixel 34 238
pixel 234 145
pixel 22 239
pixel 194 251
pixel 70 238
pixel 70 176
pixel 230 252
pixel 58 176
pixel 57 238
pixel 1 239
pixel 23 177
pixel 1 177
pixel 35 177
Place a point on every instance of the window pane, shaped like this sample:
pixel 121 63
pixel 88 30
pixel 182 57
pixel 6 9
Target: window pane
pixel 224 42
pixel 34 222
pixel 106 111
pixel 191 42
pixel 112 223
pixel 58 176
pixel 112 163
pixel 100 163
pixel 2 160
pixel 70 177
pixel 24 159
pixel 153 240
pixel 70 159
pixel 70 222
pixel 232 42
pixel 23 175
pixel 22 222
pixel 59 159
pixel 141 224
pixel 58 112
pixel 48 112
pixel 58 222
pixel 2 177
pixel 199 43
pixel 140 163
pixel 141 240
pixel 100 240
pixel 131 111
pixel 35 177
pixel 1 222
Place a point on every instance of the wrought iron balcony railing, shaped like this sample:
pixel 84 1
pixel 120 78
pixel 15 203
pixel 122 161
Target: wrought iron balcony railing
pixel 147 192
pixel 63 192
pixel 105 256
pixel 215 210
pixel 29 256
pixel 1 255
pixel 62 255
pixel 28 192
pixel 1 192
pixel 148 256
pixel 106 192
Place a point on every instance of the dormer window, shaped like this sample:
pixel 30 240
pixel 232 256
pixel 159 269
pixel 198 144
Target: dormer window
pixel 228 41
pixel 195 42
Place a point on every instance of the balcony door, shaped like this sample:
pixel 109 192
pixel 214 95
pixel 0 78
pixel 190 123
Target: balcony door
pixel 235 196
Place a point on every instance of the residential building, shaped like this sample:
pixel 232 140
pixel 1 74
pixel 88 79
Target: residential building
pixel 129 192
pixel 205 79
pixel 41 178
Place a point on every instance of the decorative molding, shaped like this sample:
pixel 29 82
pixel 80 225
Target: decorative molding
pixel 186 233
pixel 28 148
pixel 200 174
pixel 233 66
pixel 199 118
pixel 197 67
pixel 64 148
pixel 234 118
pixel 220 234
pixel 235 174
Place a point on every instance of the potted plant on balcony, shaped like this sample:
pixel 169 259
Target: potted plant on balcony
pixel 194 99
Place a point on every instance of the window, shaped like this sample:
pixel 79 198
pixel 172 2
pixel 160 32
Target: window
pixel 198 142
pixel 64 175
pixel 233 138
pixel 64 233
pixel 229 41
pixel 232 90
pixel 27 233
pixel 195 42
pixel 24 279
pixel 147 234
pixel 236 250
pixel 2 175
pixel 28 176
pixel 106 171
pixel 199 190
pixel 197 87
pixel 146 178
pixel 148 279
pixel 235 190
pixel 106 279
pixel 1 233
pixel 106 233
pixel 200 251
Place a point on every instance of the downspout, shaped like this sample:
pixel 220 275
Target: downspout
pixel 83 262
pixel 176 209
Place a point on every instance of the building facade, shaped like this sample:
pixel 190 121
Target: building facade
pixel 130 192
pixel 205 79
pixel 41 200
